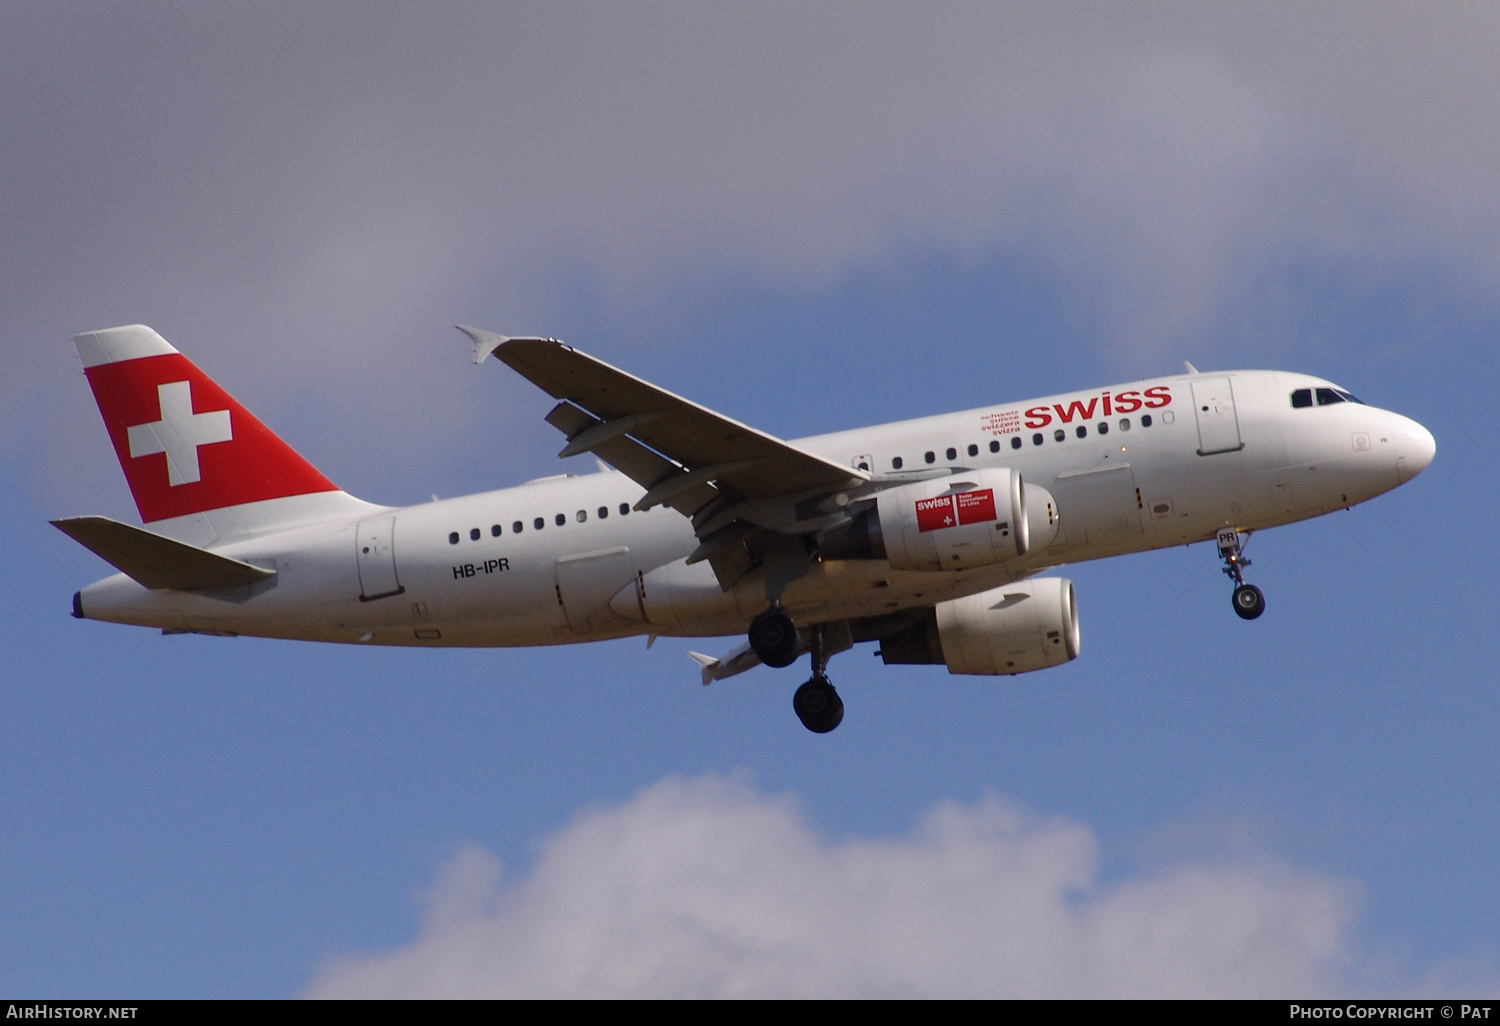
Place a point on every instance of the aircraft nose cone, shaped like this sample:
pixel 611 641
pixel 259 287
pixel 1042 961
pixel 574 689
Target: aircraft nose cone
pixel 1415 448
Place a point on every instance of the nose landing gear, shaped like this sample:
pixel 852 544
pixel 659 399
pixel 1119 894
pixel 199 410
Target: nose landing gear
pixel 1247 599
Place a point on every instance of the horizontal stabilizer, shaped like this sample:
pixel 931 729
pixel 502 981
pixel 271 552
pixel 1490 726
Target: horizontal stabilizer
pixel 157 562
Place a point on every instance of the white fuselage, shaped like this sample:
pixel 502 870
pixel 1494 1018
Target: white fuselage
pixel 596 569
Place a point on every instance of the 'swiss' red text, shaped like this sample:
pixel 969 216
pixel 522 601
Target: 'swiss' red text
pixel 1102 405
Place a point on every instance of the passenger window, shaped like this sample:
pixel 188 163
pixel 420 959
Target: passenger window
pixel 1036 439
pixel 581 515
pixel 1124 423
pixel 539 523
pixel 516 527
pixel 973 450
pixel 560 519
pixel 930 456
pixel 1145 420
pixel 453 538
pixel 603 512
pixel 473 534
pixel 1083 432
pixel 1015 442
pixel 624 509
pixel 896 463
pixel 494 530
pixel 1102 428
pixel 1059 434
pixel 1301 398
pixel 952 454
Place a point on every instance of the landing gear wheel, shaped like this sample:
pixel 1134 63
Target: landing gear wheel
pixel 773 636
pixel 1249 602
pixel 818 706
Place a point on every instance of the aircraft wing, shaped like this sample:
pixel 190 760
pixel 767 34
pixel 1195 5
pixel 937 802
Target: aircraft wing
pixel 699 455
pixel 746 492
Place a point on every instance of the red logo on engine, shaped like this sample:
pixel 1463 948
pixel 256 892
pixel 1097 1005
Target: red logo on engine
pixel 953 510
pixel 975 507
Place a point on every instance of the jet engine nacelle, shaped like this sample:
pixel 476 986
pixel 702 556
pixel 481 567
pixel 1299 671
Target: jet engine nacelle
pixel 955 523
pixel 1015 628
pixel 978 518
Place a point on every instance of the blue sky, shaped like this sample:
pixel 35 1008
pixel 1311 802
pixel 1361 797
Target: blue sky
pixel 808 222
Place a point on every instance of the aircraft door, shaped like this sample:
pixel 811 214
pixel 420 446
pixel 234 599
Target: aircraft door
pixel 1218 425
pixel 586 583
pixel 375 549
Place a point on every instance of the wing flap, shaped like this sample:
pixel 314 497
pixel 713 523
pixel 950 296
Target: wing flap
pixel 156 562
pixel 630 458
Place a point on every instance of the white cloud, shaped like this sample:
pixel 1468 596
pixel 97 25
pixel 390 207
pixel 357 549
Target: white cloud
pixel 706 888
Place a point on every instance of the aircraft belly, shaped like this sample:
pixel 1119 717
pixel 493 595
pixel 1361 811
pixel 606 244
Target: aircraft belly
pixel 687 602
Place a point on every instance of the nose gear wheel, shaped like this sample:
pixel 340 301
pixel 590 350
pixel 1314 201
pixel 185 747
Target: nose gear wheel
pixel 1249 602
pixel 1247 599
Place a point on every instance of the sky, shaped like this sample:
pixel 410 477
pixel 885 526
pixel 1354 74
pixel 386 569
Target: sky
pixel 808 217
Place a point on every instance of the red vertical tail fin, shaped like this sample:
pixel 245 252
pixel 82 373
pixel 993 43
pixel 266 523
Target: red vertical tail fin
pixel 185 445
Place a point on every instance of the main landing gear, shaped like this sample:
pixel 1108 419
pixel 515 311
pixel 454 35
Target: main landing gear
pixel 774 638
pixel 1247 599
pixel 816 703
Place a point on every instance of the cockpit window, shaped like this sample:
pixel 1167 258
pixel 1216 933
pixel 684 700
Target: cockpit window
pixel 1303 397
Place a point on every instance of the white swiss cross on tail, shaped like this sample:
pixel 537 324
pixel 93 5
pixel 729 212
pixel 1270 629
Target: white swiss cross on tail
pixel 179 432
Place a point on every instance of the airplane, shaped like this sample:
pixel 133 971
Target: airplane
pixel 926 536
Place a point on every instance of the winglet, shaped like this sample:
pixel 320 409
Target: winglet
pixel 485 342
pixel 1190 368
